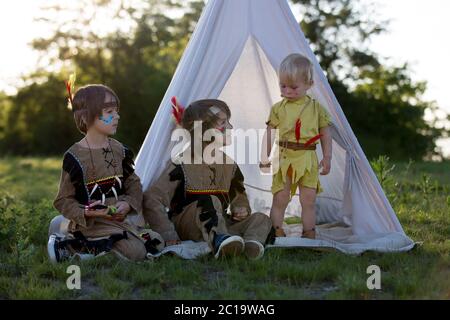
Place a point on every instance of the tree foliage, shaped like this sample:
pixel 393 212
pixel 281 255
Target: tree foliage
pixel 137 59
pixel 383 105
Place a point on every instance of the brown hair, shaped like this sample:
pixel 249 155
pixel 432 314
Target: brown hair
pixel 89 102
pixel 201 110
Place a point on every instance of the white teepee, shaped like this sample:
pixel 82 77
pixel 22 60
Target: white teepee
pixel 233 55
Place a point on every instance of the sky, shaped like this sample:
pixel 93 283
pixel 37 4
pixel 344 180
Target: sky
pixel 17 30
pixel 418 34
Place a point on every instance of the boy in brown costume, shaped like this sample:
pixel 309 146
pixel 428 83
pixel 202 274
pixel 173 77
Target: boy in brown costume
pixel 98 186
pixel 189 200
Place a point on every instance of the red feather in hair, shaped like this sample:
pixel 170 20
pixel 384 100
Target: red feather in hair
pixel 312 140
pixel 69 91
pixel 177 110
pixel 70 87
pixel 298 126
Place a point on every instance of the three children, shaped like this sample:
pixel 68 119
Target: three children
pixel 191 200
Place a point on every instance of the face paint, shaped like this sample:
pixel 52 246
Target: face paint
pixel 225 126
pixel 108 120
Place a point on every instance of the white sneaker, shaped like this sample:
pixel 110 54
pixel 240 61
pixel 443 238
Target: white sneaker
pixel 253 250
pixel 84 256
pixel 57 252
pixel 226 245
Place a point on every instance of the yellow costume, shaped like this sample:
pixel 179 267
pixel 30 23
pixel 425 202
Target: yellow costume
pixel 304 163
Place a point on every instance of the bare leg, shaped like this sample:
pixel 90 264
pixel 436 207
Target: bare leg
pixel 279 204
pixel 308 201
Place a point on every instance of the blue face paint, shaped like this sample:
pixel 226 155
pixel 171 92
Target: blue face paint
pixel 107 120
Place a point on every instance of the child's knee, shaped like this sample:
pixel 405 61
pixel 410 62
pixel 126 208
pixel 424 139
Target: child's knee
pixel 59 225
pixel 308 200
pixel 307 192
pixel 132 249
pixel 281 198
pixel 261 219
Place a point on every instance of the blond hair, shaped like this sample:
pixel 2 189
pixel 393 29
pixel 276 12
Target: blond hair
pixel 296 67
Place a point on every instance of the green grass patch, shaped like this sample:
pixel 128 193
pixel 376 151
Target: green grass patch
pixel 419 193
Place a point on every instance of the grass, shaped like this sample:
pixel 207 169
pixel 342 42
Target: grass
pixel 419 193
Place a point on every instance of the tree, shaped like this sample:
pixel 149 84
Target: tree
pixel 5 107
pixel 138 56
pixel 38 123
pixel 389 115
pixel 339 31
pixel 383 105
pixel 137 64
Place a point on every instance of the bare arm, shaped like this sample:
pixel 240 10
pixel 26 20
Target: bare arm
pixel 267 145
pixel 326 143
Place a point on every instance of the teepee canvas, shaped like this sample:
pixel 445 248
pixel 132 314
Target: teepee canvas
pixel 233 55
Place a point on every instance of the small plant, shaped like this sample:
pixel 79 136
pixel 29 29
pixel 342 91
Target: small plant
pixel 383 170
pixel 425 185
pixel 16 223
pixel 8 208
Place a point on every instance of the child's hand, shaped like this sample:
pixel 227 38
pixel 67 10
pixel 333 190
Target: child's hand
pixel 265 167
pixel 325 164
pixel 239 213
pixel 123 208
pixel 92 213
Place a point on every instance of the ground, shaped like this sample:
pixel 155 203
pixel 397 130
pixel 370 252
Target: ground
pixel 419 193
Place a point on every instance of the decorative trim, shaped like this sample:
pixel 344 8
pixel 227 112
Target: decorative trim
pixel 206 191
pixel 185 179
pixel 83 173
pixel 104 179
